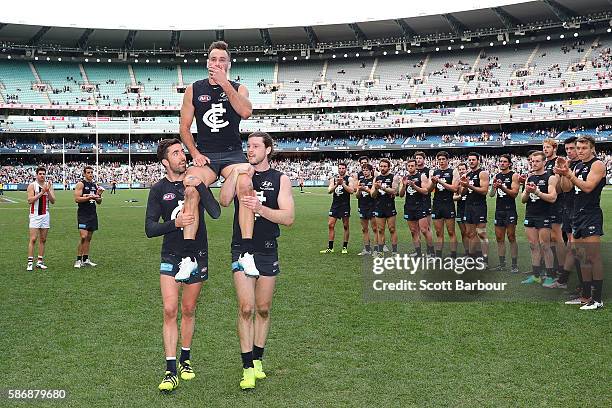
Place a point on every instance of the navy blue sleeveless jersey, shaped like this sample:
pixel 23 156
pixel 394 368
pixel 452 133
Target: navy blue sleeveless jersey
pixel 217 122
pixel 267 186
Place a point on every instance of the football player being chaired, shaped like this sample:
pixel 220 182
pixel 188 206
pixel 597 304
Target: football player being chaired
pixel 272 206
pixel 506 187
pixel 165 201
pixel 415 186
pixel 539 194
pixel 587 180
pixel 218 105
pixel 341 187
pixel 365 205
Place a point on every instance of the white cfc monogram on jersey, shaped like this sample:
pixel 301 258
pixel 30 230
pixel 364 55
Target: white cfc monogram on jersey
pixel 382 187
pixel 177 209
pixel 213 118
pixel 533 197
pixel 339 190
pixel 501 193
pixel 439 186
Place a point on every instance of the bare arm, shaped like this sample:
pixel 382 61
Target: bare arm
pixel 454 183
pixel 239 100
pixel 350 187
pixel 285 215
pixel 31 196
pixel 187 114
pixel 332 186
pixel 425 184
pixel 514 187
pixel 78 194
pixel 484 184
pixel 597 172
pixel 551 196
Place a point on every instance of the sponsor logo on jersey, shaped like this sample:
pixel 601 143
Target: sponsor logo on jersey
pixel 204 98
pixel 169 197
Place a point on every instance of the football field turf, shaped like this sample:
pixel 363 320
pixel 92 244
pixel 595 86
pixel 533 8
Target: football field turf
pixel 96 333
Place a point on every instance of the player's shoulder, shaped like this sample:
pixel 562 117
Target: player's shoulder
pixel 160 185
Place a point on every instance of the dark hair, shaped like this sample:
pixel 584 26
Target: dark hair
pixel 420 153
pixel 570 140
pixel 363 158
pixel 477 155
pixel 442 154
pixel 368 166
pixel 87 168
pixel 410 161
pixel 586 139
pixel 462 164
pixel 341 164
pixel 162 147
pixel 41 169
pixel 267 140
pixel 384 160
pixel 507 157
pixel 219 45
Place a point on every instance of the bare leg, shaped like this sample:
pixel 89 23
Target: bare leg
pixel 189 303
pixel 245 294
pixel 264 289
pixel 169 292
pixel 42 241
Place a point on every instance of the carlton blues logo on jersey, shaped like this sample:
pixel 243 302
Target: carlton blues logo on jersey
pixel 216 120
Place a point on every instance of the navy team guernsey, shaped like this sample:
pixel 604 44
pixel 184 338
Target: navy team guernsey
pixel 265 232
pixel 165 200
pixel 538 211
pixel 384 204
pixel 267 186
pixel 217 121
pixel 365 202
pixel 587 214
pixel 505 206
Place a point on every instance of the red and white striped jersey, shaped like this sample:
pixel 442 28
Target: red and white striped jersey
pixel 40 206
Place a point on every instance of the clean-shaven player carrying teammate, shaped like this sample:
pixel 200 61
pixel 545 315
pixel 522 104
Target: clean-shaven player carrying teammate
pixel 166 202
pixel 341 187
pixel 272 206
pixel 506 187
pixel 218 105
pixel 588 180
pixel 40 194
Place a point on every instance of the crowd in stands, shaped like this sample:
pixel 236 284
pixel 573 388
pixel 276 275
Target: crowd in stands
pixel 310 170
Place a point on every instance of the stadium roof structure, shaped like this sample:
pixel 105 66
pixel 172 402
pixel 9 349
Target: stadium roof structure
pixel 515 19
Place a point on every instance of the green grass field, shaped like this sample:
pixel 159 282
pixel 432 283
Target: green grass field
pixel 97 332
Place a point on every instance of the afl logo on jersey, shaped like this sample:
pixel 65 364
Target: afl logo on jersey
pixel 204 98
pixel 169 196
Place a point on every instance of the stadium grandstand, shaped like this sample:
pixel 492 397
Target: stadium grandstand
pixel 375 110
pixel 499 78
